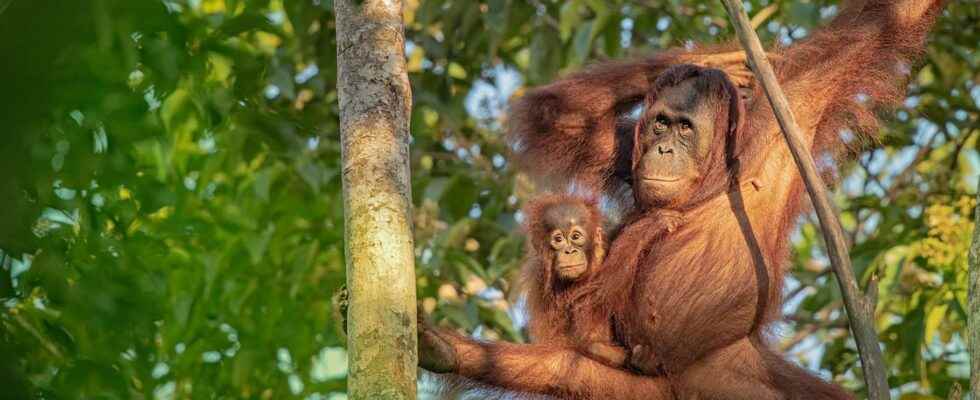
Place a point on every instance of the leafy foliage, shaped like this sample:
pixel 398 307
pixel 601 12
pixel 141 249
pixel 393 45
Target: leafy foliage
pixel 172 209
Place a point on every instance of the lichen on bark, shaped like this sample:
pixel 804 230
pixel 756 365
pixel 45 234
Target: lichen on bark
pixel 375 107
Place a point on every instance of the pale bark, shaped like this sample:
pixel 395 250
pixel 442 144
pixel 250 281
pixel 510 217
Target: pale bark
pixel 375 107
pixel 973 319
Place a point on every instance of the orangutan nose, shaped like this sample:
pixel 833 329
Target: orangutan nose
pixel 665 150
pixel 571 250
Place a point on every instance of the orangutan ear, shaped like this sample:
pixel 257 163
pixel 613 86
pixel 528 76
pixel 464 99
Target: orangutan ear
pixel 599 248
pixel 637 151
pixel 546 275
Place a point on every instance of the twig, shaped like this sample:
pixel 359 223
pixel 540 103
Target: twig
pixel 798 337
pixel 958 149
pixel 763 15
pixel 898 182
pixel 548 19
pixel 45 342
pixel 858 310
pixel 872 177
pixel 956 392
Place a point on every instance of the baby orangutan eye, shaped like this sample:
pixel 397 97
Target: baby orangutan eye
pixel 576 236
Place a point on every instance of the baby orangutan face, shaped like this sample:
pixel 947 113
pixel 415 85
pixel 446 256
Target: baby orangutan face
pixel 570 239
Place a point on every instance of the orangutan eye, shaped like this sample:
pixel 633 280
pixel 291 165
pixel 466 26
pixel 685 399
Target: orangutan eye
pixel 576 236
pixel 660 124
pixel 686 125
pixel 558 239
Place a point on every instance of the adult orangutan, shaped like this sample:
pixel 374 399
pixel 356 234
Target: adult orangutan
pixel 580 129
pixel 696 301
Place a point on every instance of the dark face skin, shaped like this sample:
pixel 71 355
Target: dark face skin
pixel 570 240
pixel 674 145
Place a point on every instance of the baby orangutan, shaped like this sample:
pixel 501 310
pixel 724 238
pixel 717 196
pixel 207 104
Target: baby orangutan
pixel 567 250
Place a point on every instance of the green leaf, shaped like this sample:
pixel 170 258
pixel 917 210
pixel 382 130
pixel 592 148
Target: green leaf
pixel 245 23
pixel 459 197
pixel 257 244
pixel 934 318
pixel 582 44
pixel 569 17
pixel 545 55
pixel 502 322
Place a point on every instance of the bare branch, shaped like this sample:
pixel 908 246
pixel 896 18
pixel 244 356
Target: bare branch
pixel 545 17
pixel 763 15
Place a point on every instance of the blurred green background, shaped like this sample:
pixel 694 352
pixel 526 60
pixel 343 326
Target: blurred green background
pixel 170 211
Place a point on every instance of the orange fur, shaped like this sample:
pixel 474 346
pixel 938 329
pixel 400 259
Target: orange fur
pixel 700 297
pixel 549 300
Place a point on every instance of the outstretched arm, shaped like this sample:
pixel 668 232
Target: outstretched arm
pixel 550 370
pixel 839 77
pixel 836 81
pixel 734 372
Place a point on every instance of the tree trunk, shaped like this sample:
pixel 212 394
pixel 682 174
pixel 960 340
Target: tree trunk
pixel 375 106
pixel 973 319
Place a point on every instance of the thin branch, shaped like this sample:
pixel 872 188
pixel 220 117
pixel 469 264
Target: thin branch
pixel 798 337
pixel 763 15
pixel 956 392
pixel 820 319
pixel 960 144
pixel 548 19
pixel 45 342
pixel 898 182
pixel 908 172
pixel 806 329
pixel 860 316
pixel 872 177
pixel 803 286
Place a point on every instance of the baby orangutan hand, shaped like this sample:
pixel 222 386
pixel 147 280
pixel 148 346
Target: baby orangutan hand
pixel 607 353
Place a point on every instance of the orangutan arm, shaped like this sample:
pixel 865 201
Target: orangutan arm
pixel 573 124
pixel 839 77
pixel 608 353
pixel 550 370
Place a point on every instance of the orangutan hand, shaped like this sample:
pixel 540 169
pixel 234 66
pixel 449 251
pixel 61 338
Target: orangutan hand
pixel 436 352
